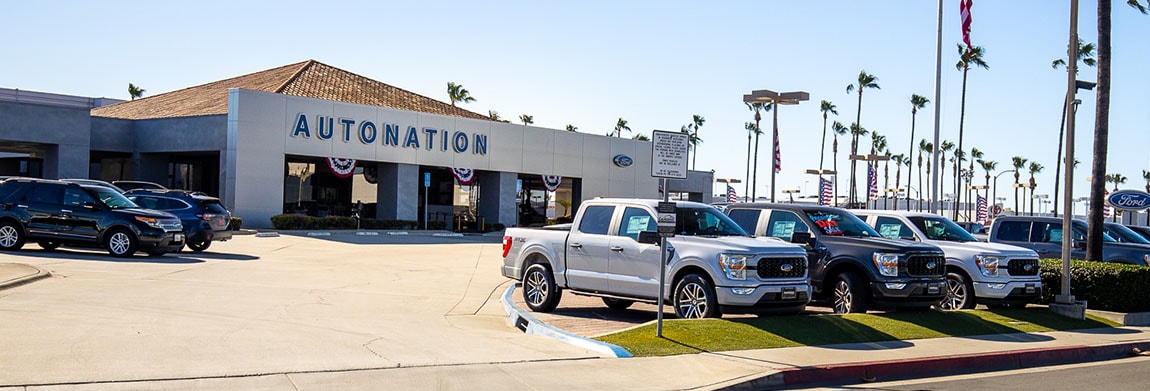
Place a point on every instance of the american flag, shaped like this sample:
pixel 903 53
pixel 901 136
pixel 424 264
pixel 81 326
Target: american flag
pixel 872 180
pixel 826 192
pixel 982 217
pixel 964 12
pixel 778 155
pixel 1106 211
pixel 731 196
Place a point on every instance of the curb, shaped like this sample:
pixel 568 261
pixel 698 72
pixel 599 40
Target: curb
pixel 865 372
pixel 18 281
pixel 523 321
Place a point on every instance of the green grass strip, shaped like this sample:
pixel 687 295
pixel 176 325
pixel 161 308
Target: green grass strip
pixel 716 335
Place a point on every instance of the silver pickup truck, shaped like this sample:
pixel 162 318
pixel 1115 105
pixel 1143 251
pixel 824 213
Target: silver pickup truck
pixel 610 251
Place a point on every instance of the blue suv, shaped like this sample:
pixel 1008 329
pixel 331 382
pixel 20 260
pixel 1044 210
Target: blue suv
pixel 204 218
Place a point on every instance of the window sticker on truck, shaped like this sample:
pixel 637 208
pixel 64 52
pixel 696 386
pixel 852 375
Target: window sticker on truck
pixel 828 224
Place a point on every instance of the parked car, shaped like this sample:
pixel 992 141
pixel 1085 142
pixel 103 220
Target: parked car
pixel 611 251
pixel 1141 230
pixel 971 227
pixel 133 185
pixel 204 218
pixel 1124 235
pixel 1044 236
pixel 56 213
pixel 95 182
pixel 851 265
pixel 976 272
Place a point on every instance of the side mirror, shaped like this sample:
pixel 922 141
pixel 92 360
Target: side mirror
pixel 649 237
pixel 801 237
pixel 1079 245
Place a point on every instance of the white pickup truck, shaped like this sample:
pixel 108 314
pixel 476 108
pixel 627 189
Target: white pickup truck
pixel 610 251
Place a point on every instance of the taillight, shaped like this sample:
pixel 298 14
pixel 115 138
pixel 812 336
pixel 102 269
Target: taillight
pixel 506 245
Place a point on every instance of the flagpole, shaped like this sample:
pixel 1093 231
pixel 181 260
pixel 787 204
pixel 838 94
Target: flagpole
pixel 937 110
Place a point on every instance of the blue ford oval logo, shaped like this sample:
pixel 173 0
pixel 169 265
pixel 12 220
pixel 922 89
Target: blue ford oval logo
pixel 931 265
pixel 623 161
pixel 1028 267
pixel 1129 199
pixel 786 267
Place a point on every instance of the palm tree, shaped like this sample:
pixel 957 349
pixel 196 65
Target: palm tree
pixel 694 140
pixel 494 115
pixel 825 107
pixel 620 126
pixel 752 129
pixel 840 130
pixel 916 102
pixel 899 161
pixel 865 81
pixel 1034 169
pixel 928 149
pixel 1085 56
pixel 757 107
pixel 135 91
pixel 971 55
pixel 943 148
pixel 1018 162
pixel 572 128
pixel 527 119
pixel 856 132
pixel 1146 176
pixel 640 137
pixel 456 93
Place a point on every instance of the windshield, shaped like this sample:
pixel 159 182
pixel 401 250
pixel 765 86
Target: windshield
pixel 1080 233
pixel 941 228
pixel 705 222
pixel 112 198
pixel 840 224
pixel 1124 234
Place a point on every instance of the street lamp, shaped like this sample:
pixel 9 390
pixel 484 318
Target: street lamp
pixel 996 183
pixel 728 181
pixel 775 98
pixel 868 158
pixel 791 193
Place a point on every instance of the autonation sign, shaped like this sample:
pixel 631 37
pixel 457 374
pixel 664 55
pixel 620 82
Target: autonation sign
pixel 1129 199
pixel 367 132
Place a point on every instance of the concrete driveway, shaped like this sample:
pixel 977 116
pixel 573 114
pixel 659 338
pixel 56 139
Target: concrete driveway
pixel 260 305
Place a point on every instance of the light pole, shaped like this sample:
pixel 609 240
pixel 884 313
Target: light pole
pixel 967 175
pixel 786 98
pixel 996 183
pixel 869 158
pixel 728 182
pixel 1017 186
pixel 791 194
pixel 820 173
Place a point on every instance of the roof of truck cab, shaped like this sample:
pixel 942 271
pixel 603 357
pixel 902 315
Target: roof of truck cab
pixel 645 201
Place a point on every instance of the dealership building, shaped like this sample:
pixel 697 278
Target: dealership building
pixel 309 138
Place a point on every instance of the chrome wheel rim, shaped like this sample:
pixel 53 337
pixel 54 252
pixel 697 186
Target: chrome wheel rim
pixel 692 301
pixel 955 295
pixel 843 297
pixel 8 236
pixel 119 243
pixel 536 288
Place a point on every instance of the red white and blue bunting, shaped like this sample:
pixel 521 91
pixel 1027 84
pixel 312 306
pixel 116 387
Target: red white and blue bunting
pixel 342 168
pixel 552 182
pixel 465 176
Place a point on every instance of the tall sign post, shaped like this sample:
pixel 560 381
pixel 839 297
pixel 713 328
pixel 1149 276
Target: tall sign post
pixel 668 160
pixel 426 195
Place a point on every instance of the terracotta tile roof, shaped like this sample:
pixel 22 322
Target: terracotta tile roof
pixel 310 78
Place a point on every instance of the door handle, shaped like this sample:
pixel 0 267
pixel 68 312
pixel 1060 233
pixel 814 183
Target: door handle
pixel 576 245
pixel 65 211
pixel 617 249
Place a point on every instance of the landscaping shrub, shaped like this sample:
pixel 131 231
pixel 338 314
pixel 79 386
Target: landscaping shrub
pixel 295 221
pixel 236 223
pixel 1105 286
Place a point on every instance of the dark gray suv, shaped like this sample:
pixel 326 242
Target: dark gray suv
pixel 1044 236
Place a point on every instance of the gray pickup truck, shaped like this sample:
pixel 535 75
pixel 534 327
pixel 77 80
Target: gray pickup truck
pixel 610 251
pixel 1044 235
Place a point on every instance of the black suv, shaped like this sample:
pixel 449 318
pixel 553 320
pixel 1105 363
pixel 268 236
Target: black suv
pixel 54 213
pixel 205 219
pixel 850 264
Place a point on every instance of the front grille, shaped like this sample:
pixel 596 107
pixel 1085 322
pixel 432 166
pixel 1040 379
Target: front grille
pixel 171 224
pixel 925 265
pixel 1023 267
pixel 782 267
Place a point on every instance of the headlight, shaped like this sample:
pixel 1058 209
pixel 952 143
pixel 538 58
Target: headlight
pixel 150 221
pixel 734 266
pixel 1146 259
pixel 887 264
pixel 987 264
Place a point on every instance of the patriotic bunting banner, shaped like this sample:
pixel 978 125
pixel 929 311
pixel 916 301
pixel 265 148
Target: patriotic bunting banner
pixel 552 182
pixel 982 212
pixel 342 168
pixel 465 176
pixel 732 197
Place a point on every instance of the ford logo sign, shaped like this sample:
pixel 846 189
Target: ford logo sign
pixel 1028 267
pixel 931 265
pixel 623 161
pixel 786 267
pixel 1129 200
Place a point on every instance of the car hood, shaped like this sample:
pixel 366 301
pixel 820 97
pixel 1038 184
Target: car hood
pixel 739 244
pixel 877 244
pixel 958 249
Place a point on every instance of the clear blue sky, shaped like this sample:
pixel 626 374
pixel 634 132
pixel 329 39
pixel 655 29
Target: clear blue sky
pixel 652 63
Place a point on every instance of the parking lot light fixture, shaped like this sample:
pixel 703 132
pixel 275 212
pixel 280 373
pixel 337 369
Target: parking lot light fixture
pixel 775 98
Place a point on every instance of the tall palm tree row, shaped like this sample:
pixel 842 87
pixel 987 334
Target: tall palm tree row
pixel 916 102
pixel 456 93
pixel 926 148
pixel 971 55
pixel 1019 163
pixel 1034 169
pixel 865 81
pixel 694 140
pixel 1085 56
pixel 839 130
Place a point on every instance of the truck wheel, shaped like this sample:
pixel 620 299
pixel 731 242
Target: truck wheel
pixel 539 289
pixel 11 236
pixel 695 298
pixel 617 304
pixel 849 294
pixel 959 293
pixel 199 245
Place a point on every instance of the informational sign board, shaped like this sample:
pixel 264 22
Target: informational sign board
pixel 669 154
pixel 427 179
pixel 666 211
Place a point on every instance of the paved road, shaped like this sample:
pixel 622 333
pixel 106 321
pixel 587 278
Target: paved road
pixel 259 305
pixel 1125 374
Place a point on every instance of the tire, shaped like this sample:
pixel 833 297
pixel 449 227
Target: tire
pixel 121 243
pixel 539 289
pixel 11 236
pixel 617 304
pixel 959 293
pixel 199 245
pixel 849 294
pixel 694 298
pixel 48 245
